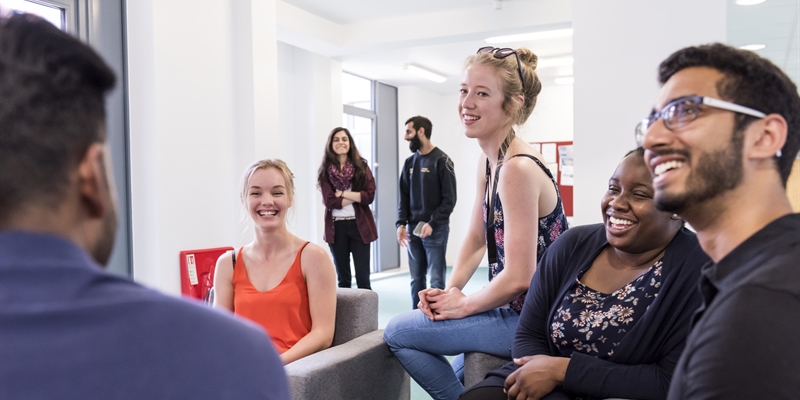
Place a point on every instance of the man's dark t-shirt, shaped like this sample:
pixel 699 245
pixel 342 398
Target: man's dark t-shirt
pixel 745 342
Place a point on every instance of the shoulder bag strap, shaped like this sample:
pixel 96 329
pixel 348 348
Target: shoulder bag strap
pixel 491 244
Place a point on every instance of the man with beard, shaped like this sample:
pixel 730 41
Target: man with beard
pixel 427 197
pixel 720 143
pixel 68 329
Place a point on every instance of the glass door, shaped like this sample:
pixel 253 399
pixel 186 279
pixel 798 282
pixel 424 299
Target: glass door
pixel 359 118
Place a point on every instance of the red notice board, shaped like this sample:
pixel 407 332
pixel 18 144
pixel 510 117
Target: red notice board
pixel 197 270
pixel 561 168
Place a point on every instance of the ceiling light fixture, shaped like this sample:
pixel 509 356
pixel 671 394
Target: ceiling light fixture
pixel 530 36
pixel 555 62
pixel 749 2
pixel 565 80
pixel 424 73
pixel 753 47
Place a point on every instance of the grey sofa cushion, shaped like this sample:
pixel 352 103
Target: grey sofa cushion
pixel 363 368
pixel 356 314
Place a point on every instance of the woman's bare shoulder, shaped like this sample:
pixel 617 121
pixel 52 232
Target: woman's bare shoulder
pixel 314 254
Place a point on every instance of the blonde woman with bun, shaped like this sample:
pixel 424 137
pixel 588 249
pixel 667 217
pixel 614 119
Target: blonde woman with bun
pixel 519 194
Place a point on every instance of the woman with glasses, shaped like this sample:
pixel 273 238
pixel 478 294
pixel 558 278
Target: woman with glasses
pixel 348 189
pixel 520 197
pixel 279 281
pixel 609 307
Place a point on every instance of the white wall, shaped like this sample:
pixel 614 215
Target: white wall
pixel 551 121
pixel 206 100
pixel 617 46
pixel 202 107
pixel 309 87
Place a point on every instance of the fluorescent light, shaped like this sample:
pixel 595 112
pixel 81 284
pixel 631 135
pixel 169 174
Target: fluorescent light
pixel 565 80
pixel 424 73
pixel 530 36
pixel 749 2
pixel 555 62
pixel 753 47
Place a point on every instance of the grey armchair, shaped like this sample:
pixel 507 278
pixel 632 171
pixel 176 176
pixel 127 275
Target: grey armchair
pixel 477 365
pixel 358 365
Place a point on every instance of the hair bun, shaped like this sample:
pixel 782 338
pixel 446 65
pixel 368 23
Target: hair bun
pixel 528 57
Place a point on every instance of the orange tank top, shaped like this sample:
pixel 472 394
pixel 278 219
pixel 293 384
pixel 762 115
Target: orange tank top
pixel 283 311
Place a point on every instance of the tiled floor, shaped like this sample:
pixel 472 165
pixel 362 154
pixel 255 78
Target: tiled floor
pixel 394 294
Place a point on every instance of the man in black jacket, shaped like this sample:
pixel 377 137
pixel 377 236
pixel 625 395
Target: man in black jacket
pixel 721 141
pixel 427 197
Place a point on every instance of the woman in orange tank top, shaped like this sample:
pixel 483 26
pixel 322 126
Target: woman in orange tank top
pixel 279 281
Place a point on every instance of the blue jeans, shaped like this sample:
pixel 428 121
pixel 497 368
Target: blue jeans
pixel 427 254
pixel 421 344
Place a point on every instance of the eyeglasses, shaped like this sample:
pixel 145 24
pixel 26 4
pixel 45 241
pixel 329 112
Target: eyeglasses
pixel 503 53
pixel 684 110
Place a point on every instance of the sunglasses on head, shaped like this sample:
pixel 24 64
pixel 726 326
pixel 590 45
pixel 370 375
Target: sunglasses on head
pixel 503 53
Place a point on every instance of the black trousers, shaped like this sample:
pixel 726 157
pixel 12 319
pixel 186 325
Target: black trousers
pixel 484 393
pixel 346 240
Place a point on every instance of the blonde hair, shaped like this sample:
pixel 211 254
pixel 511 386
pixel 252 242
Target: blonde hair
pixel 509 77
pixel 279 165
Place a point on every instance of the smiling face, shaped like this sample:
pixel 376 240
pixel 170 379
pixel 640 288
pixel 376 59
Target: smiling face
pixel 633 224
pixel 340 143
pixel 267 198
pixel 480 104
pixel 700 161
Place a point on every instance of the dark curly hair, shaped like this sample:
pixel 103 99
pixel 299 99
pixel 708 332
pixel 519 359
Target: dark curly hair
pixel 751 81
pixel 330 158
pixel 422 122
pixel 52 90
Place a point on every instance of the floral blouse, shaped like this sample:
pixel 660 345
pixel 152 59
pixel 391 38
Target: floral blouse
pixel 550 228
pixel 594 323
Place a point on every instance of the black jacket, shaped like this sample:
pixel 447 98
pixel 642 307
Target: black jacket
pixel 642 364
pixel 427 189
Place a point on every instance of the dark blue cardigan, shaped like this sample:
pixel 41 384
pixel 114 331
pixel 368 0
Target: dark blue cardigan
pixel 642 364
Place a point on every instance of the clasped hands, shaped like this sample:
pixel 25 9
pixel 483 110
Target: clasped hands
pixel 438 304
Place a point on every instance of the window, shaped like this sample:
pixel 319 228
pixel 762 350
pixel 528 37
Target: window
pixel 363 100
pixel 53 14
pixel 359 118
pixel 61 13
pixel 356 91
pixel 361 130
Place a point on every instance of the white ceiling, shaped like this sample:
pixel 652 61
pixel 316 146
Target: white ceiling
pixel 351 11
pixel 775 23
pixel 379 37
pixel 374 39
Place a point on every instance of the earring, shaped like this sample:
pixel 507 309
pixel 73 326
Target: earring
pixel 675 216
